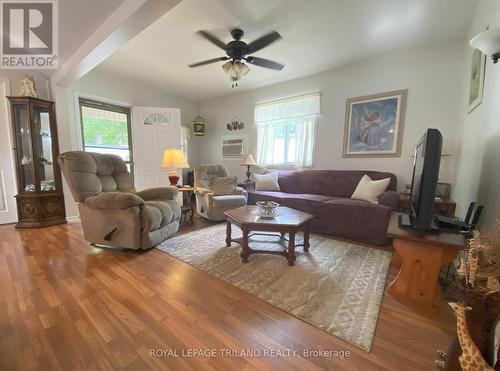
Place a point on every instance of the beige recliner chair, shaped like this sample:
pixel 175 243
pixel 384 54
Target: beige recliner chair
pixel 111 211
pixel 210 206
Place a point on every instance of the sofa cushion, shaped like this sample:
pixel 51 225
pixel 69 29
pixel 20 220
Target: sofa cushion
pixel 229 201
pixel 339 216
pixel 223 185
pixel 203 174
pixel 113 200
pixel 369 190
pixel 266 182
pixel 355 219
pixel 306 197
pixel 254 196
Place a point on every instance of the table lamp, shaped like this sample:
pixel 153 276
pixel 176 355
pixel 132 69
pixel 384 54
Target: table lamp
pixel 173 158
pixel 249 161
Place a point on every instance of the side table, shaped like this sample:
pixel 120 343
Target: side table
pixel 421 256
pixel 187 209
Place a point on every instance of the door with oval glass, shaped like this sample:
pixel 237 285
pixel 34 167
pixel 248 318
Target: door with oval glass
pixel 154 130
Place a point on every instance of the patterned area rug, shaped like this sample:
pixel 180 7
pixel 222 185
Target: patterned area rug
pixel 337 286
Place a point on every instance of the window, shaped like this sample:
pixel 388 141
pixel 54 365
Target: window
pixel 106 129
pixel 286 130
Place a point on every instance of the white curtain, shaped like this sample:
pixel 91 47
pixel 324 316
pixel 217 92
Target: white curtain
pixel 275 120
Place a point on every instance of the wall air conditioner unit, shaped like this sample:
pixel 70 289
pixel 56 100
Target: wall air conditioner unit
pixel 234 146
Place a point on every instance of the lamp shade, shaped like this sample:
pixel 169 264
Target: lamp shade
pixel 249 161
pixel 173 158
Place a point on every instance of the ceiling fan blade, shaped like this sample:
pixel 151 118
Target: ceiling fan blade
pixel 213 39
pixel 263 41
pixel 265 63
pixel 208 61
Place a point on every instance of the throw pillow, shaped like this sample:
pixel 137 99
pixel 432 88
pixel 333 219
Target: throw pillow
pixel 266 182
pixel 369 190
pixel 223 185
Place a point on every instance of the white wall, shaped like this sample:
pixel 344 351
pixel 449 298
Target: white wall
pixel 479 158
pixel 432 77
pixel 113 88
pixel 42 84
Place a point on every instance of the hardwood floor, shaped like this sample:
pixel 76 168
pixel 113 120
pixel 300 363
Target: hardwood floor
pixel 66 305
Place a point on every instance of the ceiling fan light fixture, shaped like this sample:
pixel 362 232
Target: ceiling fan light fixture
pixel 238 51
pixel 227 66
pixel 235 69
pixel 239 70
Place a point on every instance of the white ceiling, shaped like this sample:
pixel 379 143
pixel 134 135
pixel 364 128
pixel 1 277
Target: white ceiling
pixel 317 35
pixel 78 20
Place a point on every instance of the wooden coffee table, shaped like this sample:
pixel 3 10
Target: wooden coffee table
pixel 288 220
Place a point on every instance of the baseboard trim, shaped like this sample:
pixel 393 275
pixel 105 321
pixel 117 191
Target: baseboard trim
pixel 73 219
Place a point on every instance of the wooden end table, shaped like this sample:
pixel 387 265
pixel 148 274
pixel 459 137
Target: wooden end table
pixel 288 221
pixel 187 211
pixel 421 256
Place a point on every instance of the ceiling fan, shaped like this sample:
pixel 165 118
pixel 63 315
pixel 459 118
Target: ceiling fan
pixel 238 51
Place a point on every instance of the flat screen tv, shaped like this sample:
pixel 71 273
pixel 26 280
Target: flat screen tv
pixel 424 182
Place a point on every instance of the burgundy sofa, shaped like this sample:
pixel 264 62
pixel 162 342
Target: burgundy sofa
pixel 326 194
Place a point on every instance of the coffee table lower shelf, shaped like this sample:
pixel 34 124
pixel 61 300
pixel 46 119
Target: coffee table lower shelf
pixel 288 253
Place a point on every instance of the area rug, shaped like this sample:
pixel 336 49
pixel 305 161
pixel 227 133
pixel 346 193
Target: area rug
pixel 336 286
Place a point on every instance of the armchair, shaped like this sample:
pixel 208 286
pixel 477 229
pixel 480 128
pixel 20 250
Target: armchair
pixel 111 211
pixel 207 204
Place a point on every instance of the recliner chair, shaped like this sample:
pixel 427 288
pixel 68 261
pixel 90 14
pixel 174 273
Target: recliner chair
pixel 210 206
pixel 111 211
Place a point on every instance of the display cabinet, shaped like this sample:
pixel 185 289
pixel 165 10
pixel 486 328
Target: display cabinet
pixel 40 201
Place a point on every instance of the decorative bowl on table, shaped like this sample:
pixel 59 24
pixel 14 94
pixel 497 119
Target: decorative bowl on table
pixel 267 209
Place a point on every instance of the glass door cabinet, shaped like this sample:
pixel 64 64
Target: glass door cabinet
pixel 40 200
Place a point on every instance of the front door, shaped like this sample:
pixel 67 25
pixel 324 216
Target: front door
pixel 154 130
pixel 8 210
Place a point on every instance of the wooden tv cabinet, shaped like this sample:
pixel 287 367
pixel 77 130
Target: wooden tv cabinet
pixel 420 257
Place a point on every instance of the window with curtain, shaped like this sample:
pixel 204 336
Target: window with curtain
pixel 286 130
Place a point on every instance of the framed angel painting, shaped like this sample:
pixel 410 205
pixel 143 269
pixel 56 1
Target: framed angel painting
pixel 374 125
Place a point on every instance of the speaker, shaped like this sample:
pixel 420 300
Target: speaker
pixel 476 217
pixel 469 212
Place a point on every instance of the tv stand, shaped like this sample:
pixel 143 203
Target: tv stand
pixel 404 221
pixel 420 255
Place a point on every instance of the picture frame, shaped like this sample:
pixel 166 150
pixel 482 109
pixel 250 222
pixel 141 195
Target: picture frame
pixel 476 82
pixel 374 125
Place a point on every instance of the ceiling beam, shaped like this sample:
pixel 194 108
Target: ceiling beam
pixel 127 21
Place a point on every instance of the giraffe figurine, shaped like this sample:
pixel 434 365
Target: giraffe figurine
pixel 471 358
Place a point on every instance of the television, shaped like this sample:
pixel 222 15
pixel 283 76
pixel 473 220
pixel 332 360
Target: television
pixel 424 183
